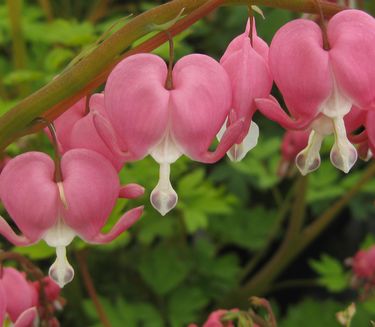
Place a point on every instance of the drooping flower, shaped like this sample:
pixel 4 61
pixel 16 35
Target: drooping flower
pixel 320 85
pixel 246 62
pixel 363 264
pixel 150 118
pixel 57 211
pixel 75 129
pixel 17 299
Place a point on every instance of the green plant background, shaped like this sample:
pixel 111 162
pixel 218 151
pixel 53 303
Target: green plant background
pixel 173 270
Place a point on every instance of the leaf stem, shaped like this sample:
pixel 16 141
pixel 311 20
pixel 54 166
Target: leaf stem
pixel 89 284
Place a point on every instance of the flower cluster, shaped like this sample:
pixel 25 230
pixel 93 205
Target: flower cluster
pixel 148 108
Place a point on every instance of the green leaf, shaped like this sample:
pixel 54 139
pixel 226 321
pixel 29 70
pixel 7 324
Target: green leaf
pixel 368 242
pixel 21 76
pixel 332 274
pixel 194 220
pixel 184 305
pixel 163 269
pixel 57 58
pixel 247 228
pixel 37 251
pixel 310 313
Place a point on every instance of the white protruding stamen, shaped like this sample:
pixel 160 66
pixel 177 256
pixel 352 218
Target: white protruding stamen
pixel 308 159
pixel 163 197
pixel 238 151
pixel 61 271
pixel 343 153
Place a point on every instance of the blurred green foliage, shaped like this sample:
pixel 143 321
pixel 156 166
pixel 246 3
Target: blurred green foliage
pixel 172 270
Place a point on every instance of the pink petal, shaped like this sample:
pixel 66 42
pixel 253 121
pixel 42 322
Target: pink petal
pixel 137 102
pixel 91 187
pixel 272 110
pixel 351 35
pixel 131 191
pixel 250 78
pixel 230 137
pixel 199 104
pixel 11 236
pixel 84 134
pixel 370 129
pixel 26 319
pixel 355 119
pixel 300 67
pixel 29 193
pixel 64 123
pixel 18 293
pixel 2 304
pixel 109 137
pixel 124 223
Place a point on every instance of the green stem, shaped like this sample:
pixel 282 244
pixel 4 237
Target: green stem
pixel 19 54
pixel 47 9
pixel 294 244
pixel 89 284
pixel 92 70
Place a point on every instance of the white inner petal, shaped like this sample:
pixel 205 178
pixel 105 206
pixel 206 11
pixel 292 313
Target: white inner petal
pixel 163 197
pixel 238 151
pixel 343 153
pixel 167 151
pixel 61 271
pixel 337 105
pixel 308 159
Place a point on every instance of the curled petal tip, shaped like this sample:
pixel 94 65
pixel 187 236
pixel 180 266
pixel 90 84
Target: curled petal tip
pixel 27 318
pixel 238 151
pixel 131 191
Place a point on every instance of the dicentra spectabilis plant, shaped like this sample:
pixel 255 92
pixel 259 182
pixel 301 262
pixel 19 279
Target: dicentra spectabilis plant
pixel 246 62
pixel 154 110
pixel 321 75
pixel 56 209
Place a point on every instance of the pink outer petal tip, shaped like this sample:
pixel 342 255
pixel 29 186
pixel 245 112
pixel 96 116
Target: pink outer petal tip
pixel 27 318
pixel 272 110
pixel 131 191
pixel 124 223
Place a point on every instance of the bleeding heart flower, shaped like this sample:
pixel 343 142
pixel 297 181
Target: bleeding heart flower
pixel 16 299
pixel 246 62
pixel 56 212
pixel 75 129
pixel 150 118
pixel 320 86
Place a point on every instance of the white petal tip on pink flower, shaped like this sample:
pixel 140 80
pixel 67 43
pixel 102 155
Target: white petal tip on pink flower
pixel 343 156
pixel 239 151
pixel 163 197
pixel 61 271
pixel 308 159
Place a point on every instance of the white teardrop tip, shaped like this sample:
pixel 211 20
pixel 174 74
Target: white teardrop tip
pixel 61 271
